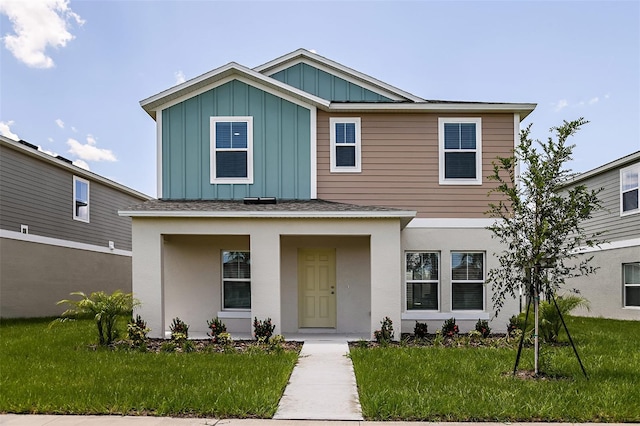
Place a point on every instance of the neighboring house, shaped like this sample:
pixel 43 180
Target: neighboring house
pixel 308 192
pixel 59 231
pixel 614 290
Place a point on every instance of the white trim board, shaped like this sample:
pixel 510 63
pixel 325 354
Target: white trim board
pixel 459 315
pixel 38 239
pixel 634 242
pixel 421 222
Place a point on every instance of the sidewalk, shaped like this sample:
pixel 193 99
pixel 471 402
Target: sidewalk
pixel 322 385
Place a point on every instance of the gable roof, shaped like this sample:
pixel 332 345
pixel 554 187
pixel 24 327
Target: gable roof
pixel 260 77
pixel 346 73
pixel 65 164
pixel 231 70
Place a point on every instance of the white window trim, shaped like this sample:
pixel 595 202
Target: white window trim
pixel 622 171
pixel 213 150
pixel 624 288
pixel 332 154
pixel 484 281
pixel 478 150
pixel 223 279
pixel 73 206
pixel 437 281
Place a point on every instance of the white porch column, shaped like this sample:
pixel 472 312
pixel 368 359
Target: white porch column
pixel 265 276
pixel 386 274
pixel 147 282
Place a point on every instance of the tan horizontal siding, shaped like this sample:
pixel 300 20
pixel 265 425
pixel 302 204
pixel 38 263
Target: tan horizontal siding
pixel 400 165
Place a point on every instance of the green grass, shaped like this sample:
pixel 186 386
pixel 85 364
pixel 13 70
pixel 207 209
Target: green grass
pixel 468 384
pixel 52 370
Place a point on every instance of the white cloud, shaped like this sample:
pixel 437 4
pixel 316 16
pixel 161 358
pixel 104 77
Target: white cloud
pixel 593 100
pixel 60 123
pixel 38 25
pixel 561 104
pixel 82 164
pixel 607 96
pixel 50 139
pixel 5 130
pixel 179 75
pixel 74 129
pixel 89 151
pixel 46 151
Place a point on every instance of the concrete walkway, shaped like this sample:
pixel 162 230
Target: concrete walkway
pixel 322 385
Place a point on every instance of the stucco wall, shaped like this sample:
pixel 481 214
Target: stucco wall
pixel 444 241
pixel 604 290
pixel 34 276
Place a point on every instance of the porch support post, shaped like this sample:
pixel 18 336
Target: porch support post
pixel 147 280
pixel 265 276
pixel 386 273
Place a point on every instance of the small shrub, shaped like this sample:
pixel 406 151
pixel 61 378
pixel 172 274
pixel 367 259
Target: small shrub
pixel 513 325
pixel 438 339
pixel 420 330
pixel 276 343
pixel 187 346
pixel 216 327
pixel 179 330
pixel 482 327
pixel 474 335
pixel 224 339
pixel 168 346
pixel 450 328
pixel 385 334
pixel 263 329
pixel 137 331
pixel 362 343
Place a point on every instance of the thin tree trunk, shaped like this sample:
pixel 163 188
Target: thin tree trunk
pixel 536 346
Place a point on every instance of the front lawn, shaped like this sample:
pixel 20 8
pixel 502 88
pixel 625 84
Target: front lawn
pixel 53 370
pixel 469 384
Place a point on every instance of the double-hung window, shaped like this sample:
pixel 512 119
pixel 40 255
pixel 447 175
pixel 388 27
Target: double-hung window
pixel 460 148
pixel 345 145
pixel 422 277
pixel 231 149
pixel 631 272
pixel 629 190
pixel 467 281
pixel 80 199
pixel 236 280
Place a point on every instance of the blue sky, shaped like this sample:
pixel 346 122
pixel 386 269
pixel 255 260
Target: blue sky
pixel 72 73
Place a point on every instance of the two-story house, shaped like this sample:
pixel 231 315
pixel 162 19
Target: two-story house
pixel 59 231
pixel 614 291
pixel 308 192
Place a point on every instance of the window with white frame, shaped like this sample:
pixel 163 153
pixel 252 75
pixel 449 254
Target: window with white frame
pixel 631 272
pixel 422 274
pixel 231 149
pixel 345 145
pixel 80 199
pixel 236 280
pixel 467 281
pixel 629 189
pixel 460 149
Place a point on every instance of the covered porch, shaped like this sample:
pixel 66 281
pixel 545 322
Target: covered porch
pixel 314 268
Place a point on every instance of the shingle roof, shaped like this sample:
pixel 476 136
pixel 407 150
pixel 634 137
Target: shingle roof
pixel 239 206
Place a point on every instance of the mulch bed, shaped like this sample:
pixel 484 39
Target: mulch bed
pixel 240 346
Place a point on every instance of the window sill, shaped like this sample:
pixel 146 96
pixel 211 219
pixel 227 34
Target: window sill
pixel 431 315
pixel 234 314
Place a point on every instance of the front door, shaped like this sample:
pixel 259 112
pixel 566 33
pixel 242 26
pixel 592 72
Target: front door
pixel 317 288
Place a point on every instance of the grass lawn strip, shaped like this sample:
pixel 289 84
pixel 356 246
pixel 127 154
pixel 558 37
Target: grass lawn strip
pixel 470 384
pixel 52 370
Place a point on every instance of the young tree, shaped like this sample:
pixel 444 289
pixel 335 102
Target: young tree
pixel 540 222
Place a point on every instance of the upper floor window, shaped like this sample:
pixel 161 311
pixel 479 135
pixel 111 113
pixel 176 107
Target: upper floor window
pixel 631 274
pixel 629 189
pixel 80 199
pixel 345 144
pixel 231 149
pixel 422 278
pixel 460 147
pixel 467 281
pixel 236 280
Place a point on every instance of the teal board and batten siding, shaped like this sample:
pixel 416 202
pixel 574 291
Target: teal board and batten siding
pixel 281 145
pixel 324 85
